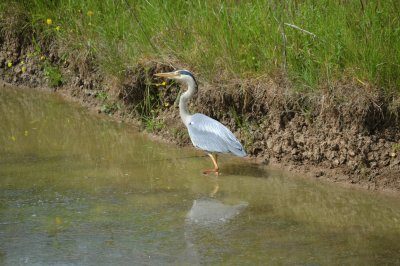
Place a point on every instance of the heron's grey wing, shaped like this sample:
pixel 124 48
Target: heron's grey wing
pixel 210 135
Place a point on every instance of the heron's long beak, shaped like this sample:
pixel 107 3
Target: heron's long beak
pixel 166 75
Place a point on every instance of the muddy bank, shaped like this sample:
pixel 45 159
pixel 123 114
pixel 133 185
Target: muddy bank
pixel 347 131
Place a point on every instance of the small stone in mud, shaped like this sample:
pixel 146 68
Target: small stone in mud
pixel 351 153
pixel 270 143
pixel 277 149
pixel 319 174
pixel 264 160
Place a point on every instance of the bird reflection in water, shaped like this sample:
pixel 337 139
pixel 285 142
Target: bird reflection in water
pixel 207 215
pixel 210 212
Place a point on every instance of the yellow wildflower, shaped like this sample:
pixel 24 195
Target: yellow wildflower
pixel 160 84
pixel 9 64
pixel 90 13
pixel 23 69
pixel 49 21
pixel 42 57
pixel 58 28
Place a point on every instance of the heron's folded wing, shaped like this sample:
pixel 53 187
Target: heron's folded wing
pixel 210 135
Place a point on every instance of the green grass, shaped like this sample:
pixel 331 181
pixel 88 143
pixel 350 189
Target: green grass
pixel 53 75
pixel 354 39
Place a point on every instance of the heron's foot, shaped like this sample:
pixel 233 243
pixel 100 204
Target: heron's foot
pixel 215 171
pixel 216 168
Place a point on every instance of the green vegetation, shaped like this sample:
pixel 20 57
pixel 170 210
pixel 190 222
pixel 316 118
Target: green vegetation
pixel 313 42
pixel 53 75
pixel 152 124
pixel 396 148
pixel 107 106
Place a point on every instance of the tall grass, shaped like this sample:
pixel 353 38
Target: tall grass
pixel 354 39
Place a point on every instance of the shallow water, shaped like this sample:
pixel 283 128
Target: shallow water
pixel 77 189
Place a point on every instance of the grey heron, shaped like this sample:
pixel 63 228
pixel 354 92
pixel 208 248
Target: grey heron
pixel 205 133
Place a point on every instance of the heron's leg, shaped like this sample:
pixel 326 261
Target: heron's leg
pixel 216 168
pixel 215 190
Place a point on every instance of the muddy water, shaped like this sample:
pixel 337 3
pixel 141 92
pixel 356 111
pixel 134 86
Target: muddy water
pixel 76 189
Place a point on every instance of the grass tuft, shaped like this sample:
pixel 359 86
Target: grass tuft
pixel 312 42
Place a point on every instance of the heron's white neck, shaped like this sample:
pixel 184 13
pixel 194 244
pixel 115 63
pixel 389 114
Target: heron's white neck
pixel 185 97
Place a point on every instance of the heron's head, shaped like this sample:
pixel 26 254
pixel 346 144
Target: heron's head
pixel 179 75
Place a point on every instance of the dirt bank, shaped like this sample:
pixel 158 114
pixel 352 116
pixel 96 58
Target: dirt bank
pixel 347 131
